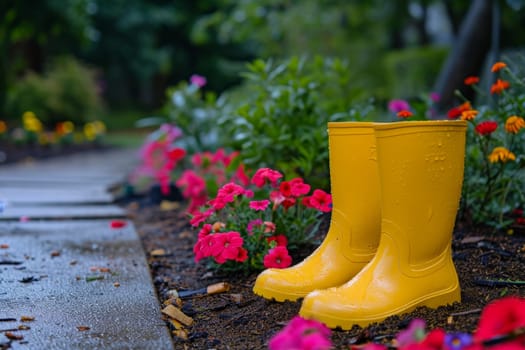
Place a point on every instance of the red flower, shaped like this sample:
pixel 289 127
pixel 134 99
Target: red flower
pixel 281 240
pixel 321 200
pixel 499 86
pixel 117 224
pixel 404 114
pixel 286 188
pixel 288 202
pixel 455 112
pixel 277 258
pixel 486 127
pixel 242 255
pixel 471 80
pixel 501 317
pixel 433 341
pixel 176 154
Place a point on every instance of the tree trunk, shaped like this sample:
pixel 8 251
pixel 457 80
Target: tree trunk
pixel 468 54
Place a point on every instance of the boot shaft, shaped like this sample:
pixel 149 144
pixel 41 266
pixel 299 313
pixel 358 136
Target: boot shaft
pixel 354 182
pixel 421 174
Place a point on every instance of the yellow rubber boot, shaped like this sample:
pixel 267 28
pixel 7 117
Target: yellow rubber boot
pixel 421 173
pixel 353 236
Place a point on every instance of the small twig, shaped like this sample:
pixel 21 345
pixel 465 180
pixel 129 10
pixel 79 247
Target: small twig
pixel 498 283
pixel 10 262
pixel 468 312
pixel 7 319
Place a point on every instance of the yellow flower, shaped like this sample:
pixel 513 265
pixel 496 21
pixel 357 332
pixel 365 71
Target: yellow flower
pixel 94 129
pixel 501 154
pixel 469 115
pixel 31 122
pixel 3 127
pixel 514 124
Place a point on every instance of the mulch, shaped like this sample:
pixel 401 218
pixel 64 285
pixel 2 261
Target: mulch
pixel 486 262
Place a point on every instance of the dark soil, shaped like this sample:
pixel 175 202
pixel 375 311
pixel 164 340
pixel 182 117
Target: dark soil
pixel 238 319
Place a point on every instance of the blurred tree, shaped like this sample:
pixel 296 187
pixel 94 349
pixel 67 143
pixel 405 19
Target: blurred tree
pixel 32 31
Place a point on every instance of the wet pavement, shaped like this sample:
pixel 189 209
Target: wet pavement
pixel 65 272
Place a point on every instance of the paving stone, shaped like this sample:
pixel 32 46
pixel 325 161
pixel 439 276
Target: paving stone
pixel 62 292
pixel 103 167
pixel 61 212
pixel 55 195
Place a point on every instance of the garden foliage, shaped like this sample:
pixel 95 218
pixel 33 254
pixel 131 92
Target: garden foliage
pixel 67 91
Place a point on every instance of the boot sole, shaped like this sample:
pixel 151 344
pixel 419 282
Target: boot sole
pixel 345 324
pixel 277 295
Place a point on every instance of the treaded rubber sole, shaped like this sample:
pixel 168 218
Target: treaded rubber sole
pixel 346 324
pixel 276 295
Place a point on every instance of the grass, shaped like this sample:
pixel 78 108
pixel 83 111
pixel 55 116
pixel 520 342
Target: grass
pixel 121 130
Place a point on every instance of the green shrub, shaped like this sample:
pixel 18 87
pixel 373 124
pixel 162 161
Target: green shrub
pixel 410 71
pixel 281 121
pixel 67 91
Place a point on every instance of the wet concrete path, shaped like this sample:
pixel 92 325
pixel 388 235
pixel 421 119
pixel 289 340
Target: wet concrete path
pixel 87 285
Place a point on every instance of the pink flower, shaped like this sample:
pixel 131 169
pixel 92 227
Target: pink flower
pixel 302 334
pixel 198 80
pixel 289 202
pixel 171 132
pixel 277 257
pixel 240 176
pixel 413 334
pixel 321 200
pixel 207 246
pixel 218 203
pixel 277 198
pixel 263 174
pixel 299 188
pixel 434 97
pixel 230 243
pixel 259 205
pixel 252 224
pixel 192 184
pixel 229 191
pixel 396 106
pixel 269 226
pixel 205 230
pixel 199 218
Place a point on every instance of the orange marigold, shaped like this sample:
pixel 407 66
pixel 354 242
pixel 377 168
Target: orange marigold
pixel 471 80
pixel 496 67
pixel 514 124
pixel 499 86
pixel 469 114
pixel 404 114
pixel 501 154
